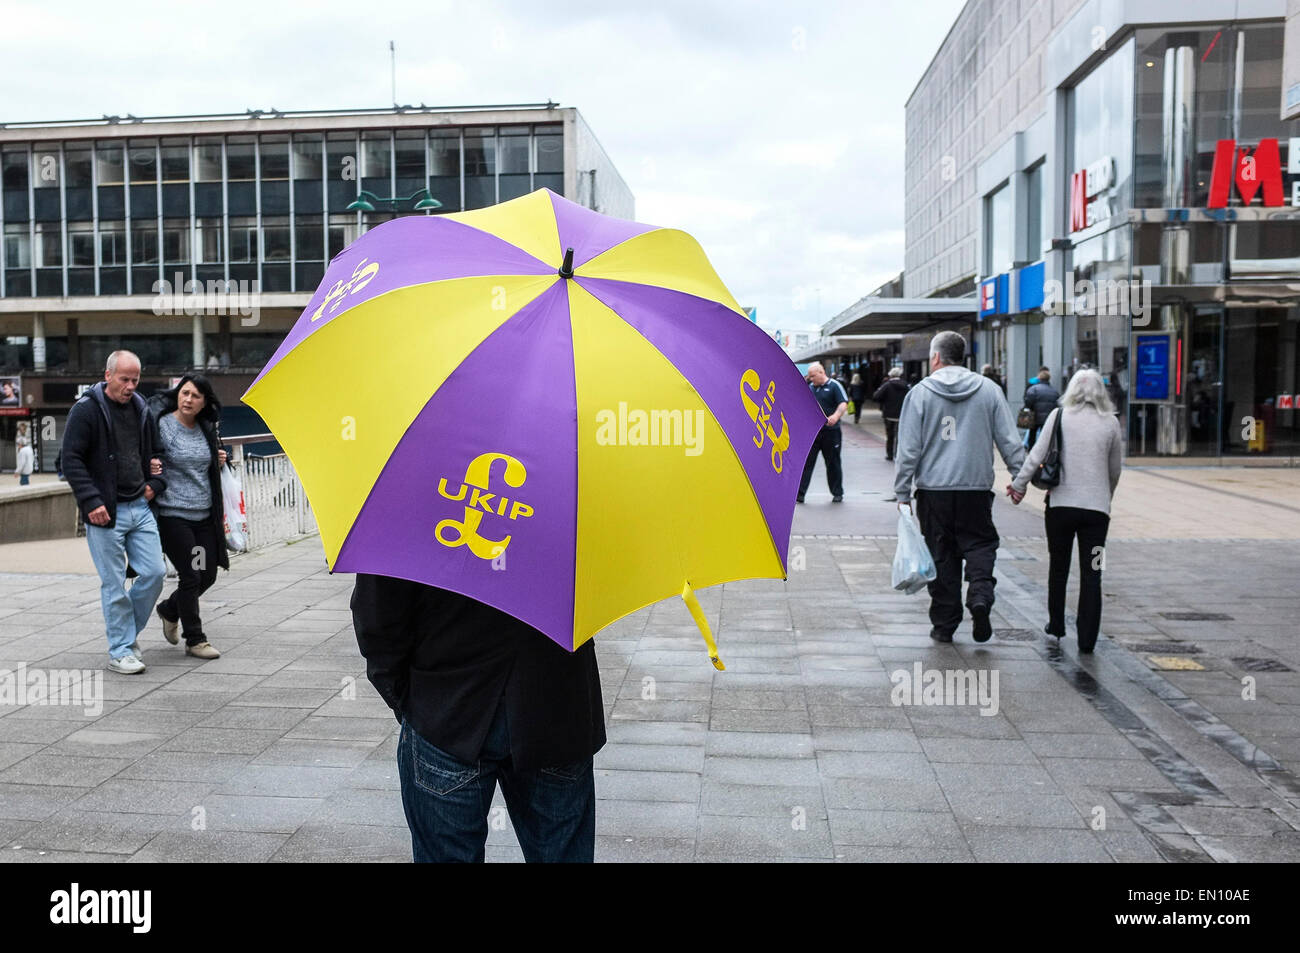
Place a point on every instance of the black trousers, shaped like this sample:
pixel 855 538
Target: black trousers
pixel 191 545
pixel 891 438
pixel 857 408
pixel 958 526
pixel 1064 525
pixel 828 444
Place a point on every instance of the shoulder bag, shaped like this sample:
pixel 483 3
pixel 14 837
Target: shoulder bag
pixel 1049 471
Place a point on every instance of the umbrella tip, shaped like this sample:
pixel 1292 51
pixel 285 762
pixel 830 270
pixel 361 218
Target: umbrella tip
pixel 566 269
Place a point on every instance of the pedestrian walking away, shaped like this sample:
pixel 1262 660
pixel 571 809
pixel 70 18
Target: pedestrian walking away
pixel 857 393
pixel 1041 398
pixel 25 463
pixel 483 698
pixel 189 510
pixel 949 422
pixel 1078 507
pixel 890 396
pixel 834 402
pixel 110 463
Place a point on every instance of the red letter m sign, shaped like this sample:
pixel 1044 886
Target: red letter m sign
pixel 1249 170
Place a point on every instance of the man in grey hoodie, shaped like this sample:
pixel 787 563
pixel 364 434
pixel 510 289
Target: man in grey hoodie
pixel 948 426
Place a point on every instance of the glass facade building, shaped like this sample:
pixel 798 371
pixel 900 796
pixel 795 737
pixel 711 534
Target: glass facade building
pixel 1153 214
pixel 100 219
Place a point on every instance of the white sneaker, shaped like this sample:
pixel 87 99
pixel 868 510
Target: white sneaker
pixel 126 665
pixel 135 650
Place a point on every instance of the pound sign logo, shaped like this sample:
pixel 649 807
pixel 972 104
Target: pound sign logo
pixel 453 533
pixel 761 414
pixel 362 275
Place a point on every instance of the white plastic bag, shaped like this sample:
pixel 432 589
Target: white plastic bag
pixel 236 520
pixel 913 564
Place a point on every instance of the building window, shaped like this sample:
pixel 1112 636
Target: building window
pixel 343 232
pixel 409 155
pixel 112 244
pixel 109 167
pixel 49 245
pixel 176 160
pixel 243 239
pixel 998 232
pixel 376 155
pixel 77 164
pixel 1101 145
pixel 176 242
pixel 142 161
pixel 207 241
pixel 275 239
pixel 444 152
pixel 144 243
pixel 207 160
pixel 45 168
pixel 1034 212
pixel 307 157
pixel 81 245
pixel 18 246
pixel 14 175
pixel 241 162
pixel 275 158
pixel 550 151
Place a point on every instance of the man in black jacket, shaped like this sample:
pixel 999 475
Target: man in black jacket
pixel 1042 398
pixel 108 457
pixel 890 398
pixel 482 697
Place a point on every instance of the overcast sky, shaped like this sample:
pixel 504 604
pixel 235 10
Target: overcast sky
pixel 772 132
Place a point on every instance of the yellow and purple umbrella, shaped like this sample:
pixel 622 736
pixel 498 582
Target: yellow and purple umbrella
pixel 557 413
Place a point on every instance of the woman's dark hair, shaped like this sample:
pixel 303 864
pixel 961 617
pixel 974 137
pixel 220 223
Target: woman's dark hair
pixel 211 411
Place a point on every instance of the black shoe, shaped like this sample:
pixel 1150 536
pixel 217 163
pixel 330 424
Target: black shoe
pixel 799 498
pixel 983 629
pixel 889 459
pixel 837 499
pixel 1048 629
pixel 940 636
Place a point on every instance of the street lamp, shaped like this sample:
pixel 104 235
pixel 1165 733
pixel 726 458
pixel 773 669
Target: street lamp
pixel 367 201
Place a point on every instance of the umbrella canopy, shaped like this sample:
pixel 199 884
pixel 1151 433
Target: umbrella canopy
pixel 560 414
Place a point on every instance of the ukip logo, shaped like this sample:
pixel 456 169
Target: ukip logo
pixel 465 532
pixel 761 414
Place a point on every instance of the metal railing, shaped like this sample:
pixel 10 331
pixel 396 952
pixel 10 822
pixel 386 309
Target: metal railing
pixel 274 501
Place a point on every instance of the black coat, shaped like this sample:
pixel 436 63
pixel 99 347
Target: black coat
pixel 890 398
pixel 444 662
pixel 89 452
pixel 164 402
pixel 1042 399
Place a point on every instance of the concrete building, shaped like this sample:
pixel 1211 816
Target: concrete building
pixel 110 226
pixel 1114 183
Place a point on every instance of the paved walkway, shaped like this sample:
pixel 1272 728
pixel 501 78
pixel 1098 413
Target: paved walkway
pixel 281 751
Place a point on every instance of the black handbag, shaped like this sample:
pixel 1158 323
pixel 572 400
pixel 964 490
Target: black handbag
pixel 1049 471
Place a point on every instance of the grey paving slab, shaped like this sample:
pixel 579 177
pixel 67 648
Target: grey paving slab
pixel 1008 845
pixel 346 843
pixel 648 785
pixel 676 758
pixel 98 832
pixel 1017 809
pixel 220 846
pixel 614 849
pixel 761 836
pixel 34 802
pixel 63 769
pixel 911 829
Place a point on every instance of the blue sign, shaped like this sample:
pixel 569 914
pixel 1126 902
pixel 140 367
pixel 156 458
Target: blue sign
pixel 1029 289
pixel 1151 379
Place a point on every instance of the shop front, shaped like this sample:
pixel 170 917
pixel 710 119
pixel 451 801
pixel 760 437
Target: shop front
pixel 1182 282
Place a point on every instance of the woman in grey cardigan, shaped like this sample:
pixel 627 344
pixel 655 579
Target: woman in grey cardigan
pixel 1079 506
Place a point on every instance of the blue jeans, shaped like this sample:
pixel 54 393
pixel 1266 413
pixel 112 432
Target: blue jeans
pixel 134 536
pixel 447 802
pixel 24 480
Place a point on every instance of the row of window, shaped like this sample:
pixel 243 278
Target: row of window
pixel 387 162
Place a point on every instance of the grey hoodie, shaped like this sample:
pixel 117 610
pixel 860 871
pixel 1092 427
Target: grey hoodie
pixel 949 424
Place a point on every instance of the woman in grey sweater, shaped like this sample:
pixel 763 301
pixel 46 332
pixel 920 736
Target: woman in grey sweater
pixel 189 511
pixel 1092 454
